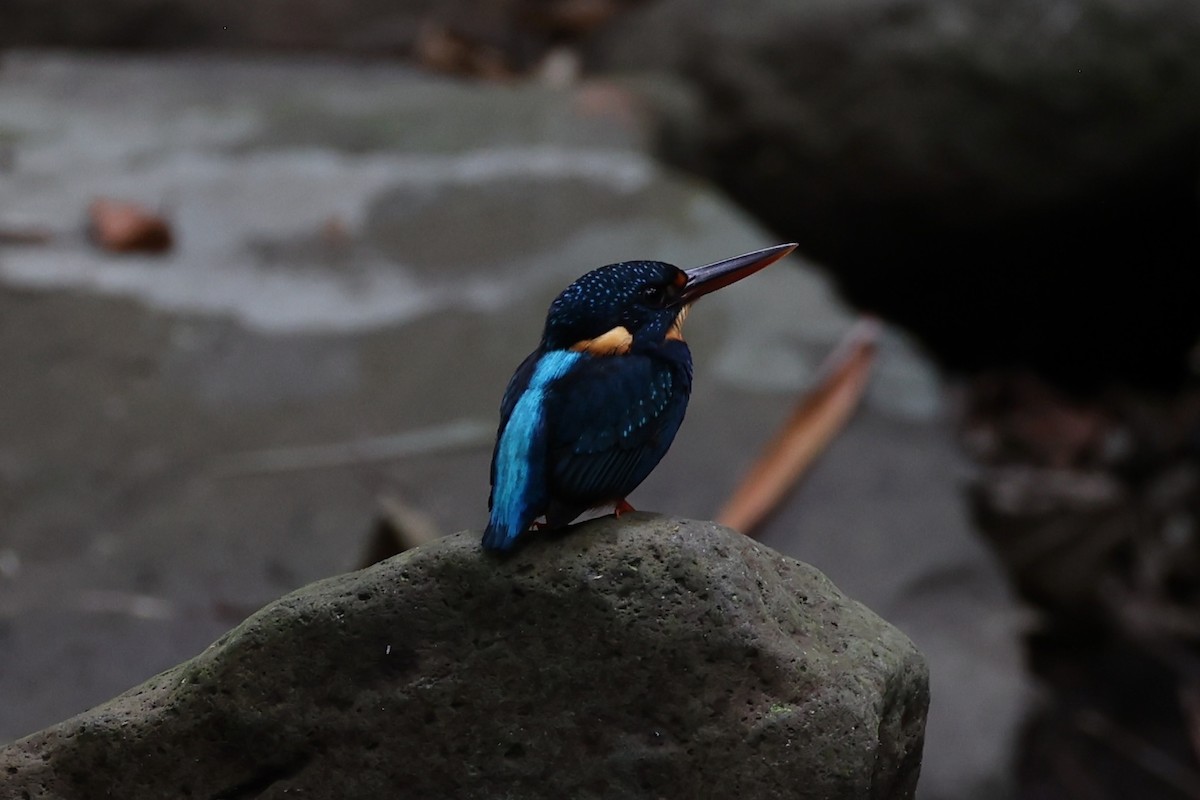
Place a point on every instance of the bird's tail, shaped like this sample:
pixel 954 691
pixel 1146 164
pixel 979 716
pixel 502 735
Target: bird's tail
pixel 498 536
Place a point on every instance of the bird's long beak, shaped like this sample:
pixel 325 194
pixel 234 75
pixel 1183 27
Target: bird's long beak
pixel 709 278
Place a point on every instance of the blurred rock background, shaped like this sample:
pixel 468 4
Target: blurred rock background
pixel 370 206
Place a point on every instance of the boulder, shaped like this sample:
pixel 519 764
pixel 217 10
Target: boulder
pixel 652 657
pixel 1016 182
pixel 489 38
pixel 369 25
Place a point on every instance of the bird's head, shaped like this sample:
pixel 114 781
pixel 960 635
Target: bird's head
pixel 614 308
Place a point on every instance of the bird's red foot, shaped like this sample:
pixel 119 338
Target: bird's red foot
pixel 622 507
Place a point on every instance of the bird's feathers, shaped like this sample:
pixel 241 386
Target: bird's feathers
pixel 582 430
pixel 615 342
pixel 591 412
pixel 518 464
pixel 613 420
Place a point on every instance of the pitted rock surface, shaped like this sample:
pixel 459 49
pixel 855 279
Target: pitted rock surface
pixel 646 657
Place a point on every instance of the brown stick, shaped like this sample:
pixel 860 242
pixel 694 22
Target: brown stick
pixel 821 414
pixel 24 236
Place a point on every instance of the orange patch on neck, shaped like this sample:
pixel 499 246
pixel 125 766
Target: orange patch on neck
pixel 676 331
pixel 615 342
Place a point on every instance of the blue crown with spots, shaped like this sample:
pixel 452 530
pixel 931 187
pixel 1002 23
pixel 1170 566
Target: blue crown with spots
pixel 606 297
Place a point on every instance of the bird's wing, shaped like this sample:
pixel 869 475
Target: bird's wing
pixel 610 422
pixel 516 385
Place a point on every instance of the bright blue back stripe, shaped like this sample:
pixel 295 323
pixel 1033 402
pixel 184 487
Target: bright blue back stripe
pixel 510 498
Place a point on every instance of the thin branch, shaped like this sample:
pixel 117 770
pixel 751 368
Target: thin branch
pixel 821 415
pixel 464 434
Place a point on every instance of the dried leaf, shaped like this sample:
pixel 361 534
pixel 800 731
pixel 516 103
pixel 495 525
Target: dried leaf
pixel 123 227
pixel 440 49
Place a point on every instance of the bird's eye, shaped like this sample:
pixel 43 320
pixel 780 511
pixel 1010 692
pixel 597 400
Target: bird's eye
pixel 653 295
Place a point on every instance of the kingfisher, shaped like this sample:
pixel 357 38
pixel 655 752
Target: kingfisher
pixel 590 413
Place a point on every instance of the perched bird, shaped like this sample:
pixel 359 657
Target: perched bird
pixel 593 409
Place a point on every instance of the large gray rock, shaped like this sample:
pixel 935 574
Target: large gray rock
pixel 961 164
pixel 491 37
pixel 364 25
pixel 650 657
